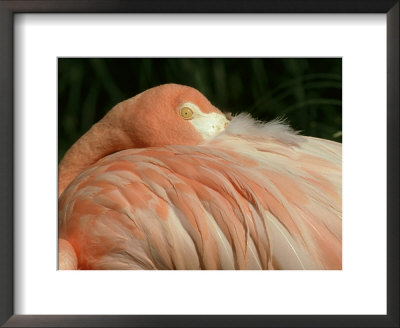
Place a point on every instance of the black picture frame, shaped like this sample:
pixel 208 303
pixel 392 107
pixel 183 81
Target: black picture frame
pixel 7 11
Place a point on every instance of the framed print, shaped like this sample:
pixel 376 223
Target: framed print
pixel 55 57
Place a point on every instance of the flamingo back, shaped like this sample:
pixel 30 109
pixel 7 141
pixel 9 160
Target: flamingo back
pixel 258 196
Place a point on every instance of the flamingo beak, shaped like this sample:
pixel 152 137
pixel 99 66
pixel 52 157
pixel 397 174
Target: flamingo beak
pixel 228 116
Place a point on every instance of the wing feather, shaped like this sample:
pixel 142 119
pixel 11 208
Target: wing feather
pixel 257 196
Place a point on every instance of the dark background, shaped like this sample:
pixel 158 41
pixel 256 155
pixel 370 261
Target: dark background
pixel 307 91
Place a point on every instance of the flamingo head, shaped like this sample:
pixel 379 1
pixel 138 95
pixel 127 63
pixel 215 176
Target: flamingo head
pixel 169 114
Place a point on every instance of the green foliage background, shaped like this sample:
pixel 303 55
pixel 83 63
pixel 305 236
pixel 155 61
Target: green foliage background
pixel 307 91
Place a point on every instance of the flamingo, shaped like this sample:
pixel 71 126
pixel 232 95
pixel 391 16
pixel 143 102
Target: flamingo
pixel 167 181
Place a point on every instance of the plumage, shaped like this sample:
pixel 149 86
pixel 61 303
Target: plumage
pixel 253 196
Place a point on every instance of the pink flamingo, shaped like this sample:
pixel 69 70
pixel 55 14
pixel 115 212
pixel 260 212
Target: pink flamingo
pixel 166 181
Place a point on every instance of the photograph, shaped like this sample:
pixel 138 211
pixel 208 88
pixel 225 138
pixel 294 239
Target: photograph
pixel 199 163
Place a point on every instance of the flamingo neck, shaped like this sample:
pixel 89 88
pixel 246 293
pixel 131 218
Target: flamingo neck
pixel 101 140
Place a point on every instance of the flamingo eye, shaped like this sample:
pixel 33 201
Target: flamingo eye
pixel 186 113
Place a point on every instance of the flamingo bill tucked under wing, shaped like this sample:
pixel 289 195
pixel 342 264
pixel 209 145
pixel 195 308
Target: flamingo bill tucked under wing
pixel 200 194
